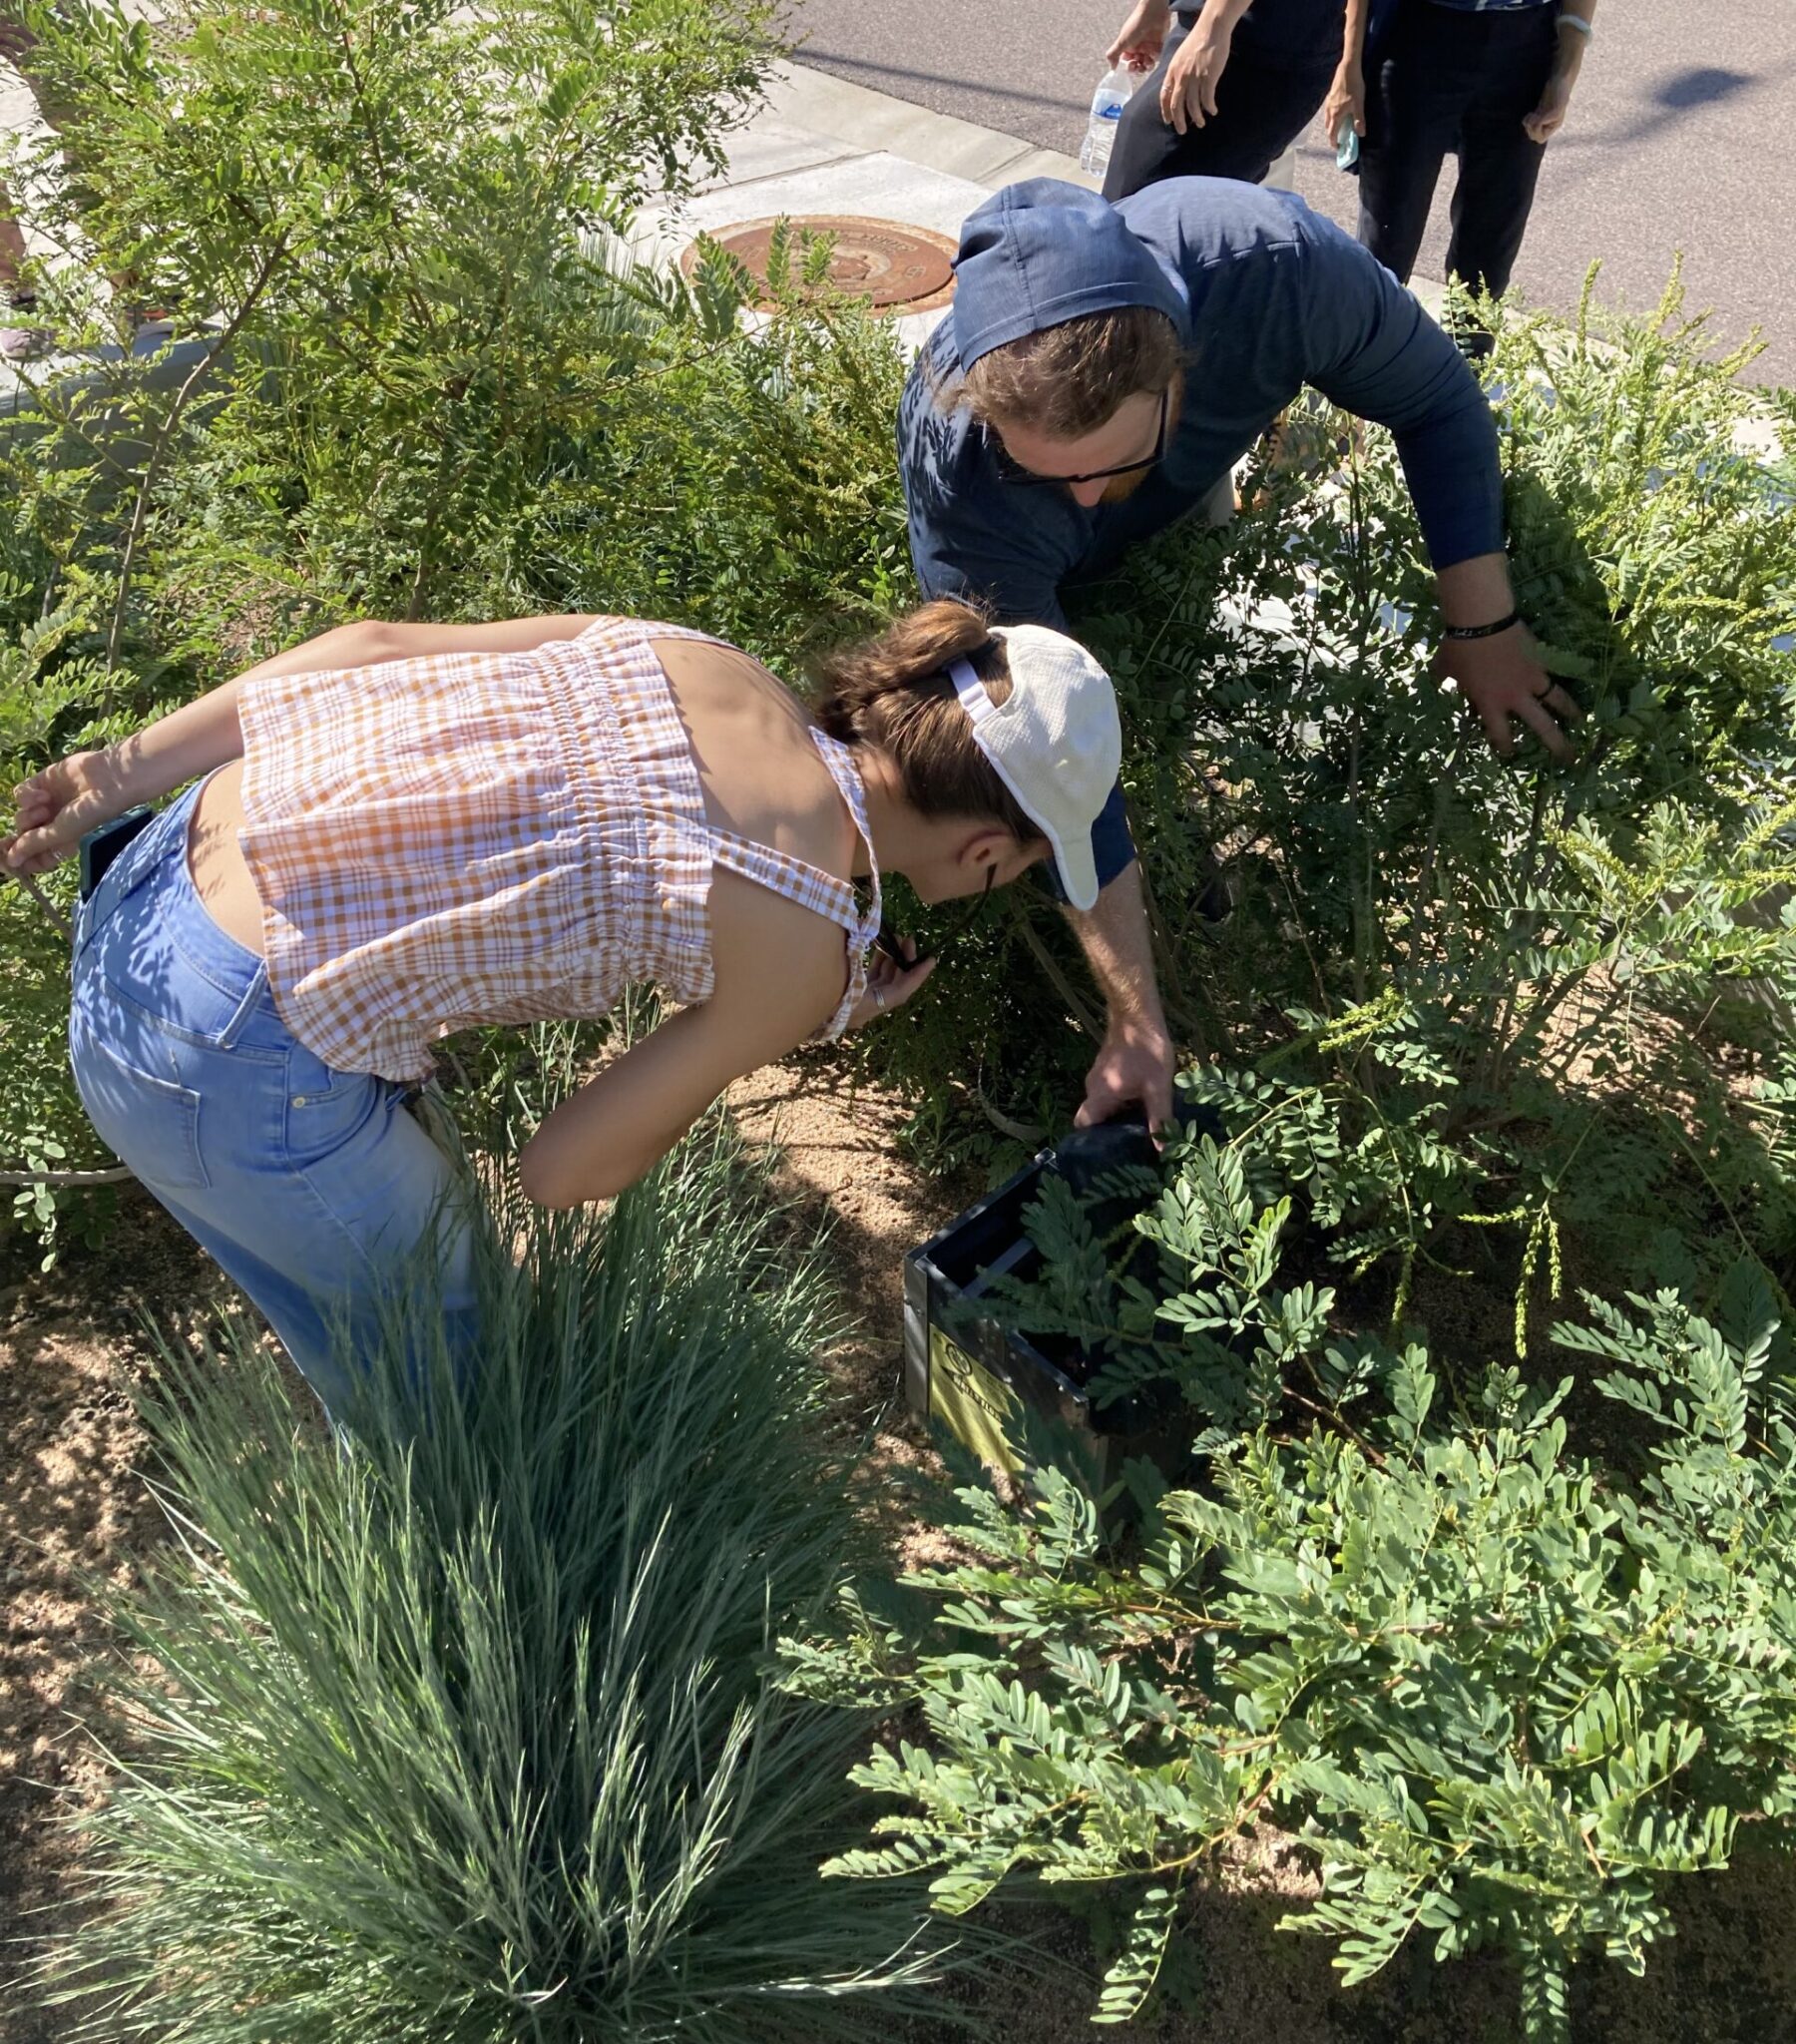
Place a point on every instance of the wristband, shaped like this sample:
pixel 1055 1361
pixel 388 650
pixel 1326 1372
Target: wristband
pixel 1578 22
pixel 1482 631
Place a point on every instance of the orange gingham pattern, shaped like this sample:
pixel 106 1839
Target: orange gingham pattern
pixel 466 839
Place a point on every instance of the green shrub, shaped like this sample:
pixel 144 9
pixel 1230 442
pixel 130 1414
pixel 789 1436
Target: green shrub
pixel 744 483
pixel 1557 994
pixel 1502 1690
pixel 380 232
pixel 465 1728
pixel 429 385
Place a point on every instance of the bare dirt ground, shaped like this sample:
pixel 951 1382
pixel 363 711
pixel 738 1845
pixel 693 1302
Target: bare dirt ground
pixel 74 1512
pixel 74 1507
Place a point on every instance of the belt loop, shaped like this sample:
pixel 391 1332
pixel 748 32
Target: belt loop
pixel 245 1008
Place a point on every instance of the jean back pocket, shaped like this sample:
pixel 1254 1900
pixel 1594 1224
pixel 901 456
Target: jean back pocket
pixel 152 1121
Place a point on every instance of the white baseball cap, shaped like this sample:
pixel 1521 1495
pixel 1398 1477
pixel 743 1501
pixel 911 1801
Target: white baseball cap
pixel 1055 741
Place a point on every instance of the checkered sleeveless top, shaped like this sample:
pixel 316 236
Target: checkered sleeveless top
pixel 494 838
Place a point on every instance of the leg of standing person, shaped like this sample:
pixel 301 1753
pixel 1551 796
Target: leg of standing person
pixel 19 339
pixel 1423 76
pixel 1498 164
pixel 12 257
pixel 1261 109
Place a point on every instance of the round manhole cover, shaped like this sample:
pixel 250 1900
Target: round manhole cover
pixel 895 268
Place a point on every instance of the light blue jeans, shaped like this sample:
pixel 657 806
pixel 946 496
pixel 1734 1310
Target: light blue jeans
pixel 309 1185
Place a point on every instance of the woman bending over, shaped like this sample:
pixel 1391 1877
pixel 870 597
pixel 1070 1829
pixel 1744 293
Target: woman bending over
pixel 396 831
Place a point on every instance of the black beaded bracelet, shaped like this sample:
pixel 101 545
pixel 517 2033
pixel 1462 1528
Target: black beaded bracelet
pixel 1482 631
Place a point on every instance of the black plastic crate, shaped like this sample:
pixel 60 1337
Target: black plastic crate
pixel 995 1389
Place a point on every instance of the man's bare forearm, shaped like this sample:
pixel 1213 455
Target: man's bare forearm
pixel 1134 1061
pixel 1118 947
pixel 1476 592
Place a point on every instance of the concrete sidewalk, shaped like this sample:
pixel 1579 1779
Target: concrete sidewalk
pixel 822 145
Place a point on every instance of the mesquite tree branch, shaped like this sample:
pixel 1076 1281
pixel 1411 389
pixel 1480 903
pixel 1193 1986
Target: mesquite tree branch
pixel 112 1175
pixel 140 510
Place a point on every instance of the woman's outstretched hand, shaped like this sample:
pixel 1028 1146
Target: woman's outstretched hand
pixel 56 809
pixel 889 985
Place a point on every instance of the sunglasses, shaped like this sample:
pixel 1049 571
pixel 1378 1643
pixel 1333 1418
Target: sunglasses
pixel 889 941
pixel 1011 470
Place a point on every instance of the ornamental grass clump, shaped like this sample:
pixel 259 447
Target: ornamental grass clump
pixel 460 1727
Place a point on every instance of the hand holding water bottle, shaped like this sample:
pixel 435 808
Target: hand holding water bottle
pixel 1112 94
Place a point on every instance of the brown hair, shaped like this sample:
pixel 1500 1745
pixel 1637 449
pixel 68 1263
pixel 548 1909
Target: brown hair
pixel 895 692
pixel 1069 380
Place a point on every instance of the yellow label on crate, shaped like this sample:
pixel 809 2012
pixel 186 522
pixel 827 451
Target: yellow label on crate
pixel 979 1408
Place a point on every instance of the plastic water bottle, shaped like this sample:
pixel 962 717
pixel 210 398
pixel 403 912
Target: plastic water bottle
pixel 1107 101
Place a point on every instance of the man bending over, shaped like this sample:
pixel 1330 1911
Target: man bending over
pixel 1101 369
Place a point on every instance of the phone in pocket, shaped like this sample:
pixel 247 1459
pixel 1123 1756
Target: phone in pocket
pixel 100 848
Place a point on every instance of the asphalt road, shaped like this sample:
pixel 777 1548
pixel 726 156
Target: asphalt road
pixel 1680 138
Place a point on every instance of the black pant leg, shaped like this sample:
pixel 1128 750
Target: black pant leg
pixel 1498 164
pixel 1144 142
pixel 1425 76
pixel 1262 106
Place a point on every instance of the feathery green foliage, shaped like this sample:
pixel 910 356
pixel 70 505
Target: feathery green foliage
pixel 1555 994
pixel 1528 978
pixel 757 467
pixel 406 370
pixel 380 232
pixel 463 1726
pixel 1504 1691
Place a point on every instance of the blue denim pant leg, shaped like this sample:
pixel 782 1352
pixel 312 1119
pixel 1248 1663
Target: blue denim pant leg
pixel 310 1187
